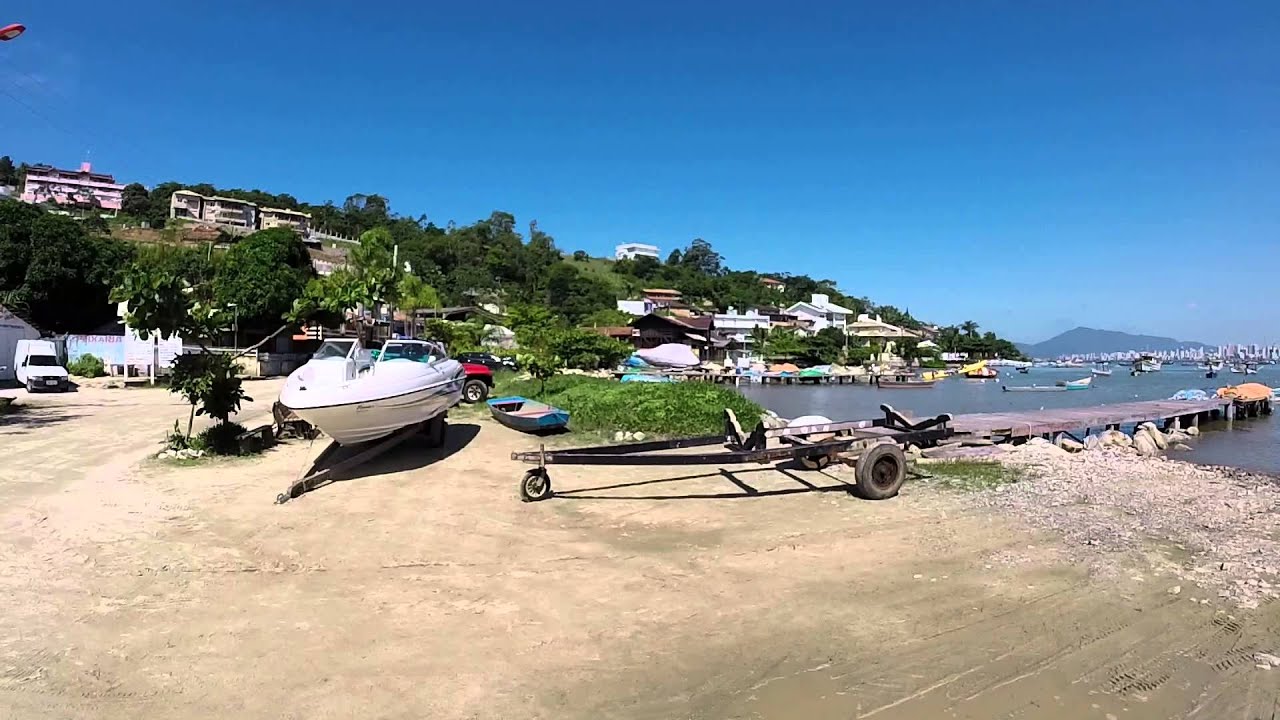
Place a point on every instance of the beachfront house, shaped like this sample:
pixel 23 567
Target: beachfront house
pixel 653 330
pixel 880 333
pixel 734 329
pixel 774 285
pixel 822 313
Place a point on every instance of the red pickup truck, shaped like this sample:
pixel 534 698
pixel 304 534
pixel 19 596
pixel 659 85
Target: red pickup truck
pixel 479 383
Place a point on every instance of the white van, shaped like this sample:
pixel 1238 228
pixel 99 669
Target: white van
pixel 36 364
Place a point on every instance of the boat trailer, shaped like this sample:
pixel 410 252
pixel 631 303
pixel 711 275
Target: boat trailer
pixel 323 470
pixel 873 447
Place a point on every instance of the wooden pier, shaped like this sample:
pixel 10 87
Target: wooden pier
pixel 1165 413
pixel 765 378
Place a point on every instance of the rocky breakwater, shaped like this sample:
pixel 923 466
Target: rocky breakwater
pixel 1216 528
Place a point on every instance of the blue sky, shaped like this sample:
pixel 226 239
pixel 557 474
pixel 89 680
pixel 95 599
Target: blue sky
pixel 1029 165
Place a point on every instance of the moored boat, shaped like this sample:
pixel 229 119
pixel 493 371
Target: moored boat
pixel 352 398
pixel 1033 388
pixel 1081 384
pixel 1101 371
pixel 1146 364
pixel 904 382
pixel 527 415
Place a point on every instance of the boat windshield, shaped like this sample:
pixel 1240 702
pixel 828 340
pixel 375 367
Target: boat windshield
pixel 416 352
pixel 338 349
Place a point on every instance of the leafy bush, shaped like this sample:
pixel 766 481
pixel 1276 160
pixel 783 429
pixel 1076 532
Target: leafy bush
pixel 586 350
pixel 220 439
pixel 175 439
pixel 932 363
pixel 682 408
pixel 211 382
pixel 580 256
pixel 87 365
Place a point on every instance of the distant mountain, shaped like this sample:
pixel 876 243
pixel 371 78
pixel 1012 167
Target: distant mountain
pixel 1083 340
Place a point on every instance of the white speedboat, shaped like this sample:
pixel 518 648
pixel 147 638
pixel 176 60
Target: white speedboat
pixel 353 397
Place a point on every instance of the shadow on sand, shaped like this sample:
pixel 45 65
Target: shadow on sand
pixel 411 454
pixel 18 418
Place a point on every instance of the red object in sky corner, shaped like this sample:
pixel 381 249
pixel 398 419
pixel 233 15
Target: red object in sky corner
pixel 9 32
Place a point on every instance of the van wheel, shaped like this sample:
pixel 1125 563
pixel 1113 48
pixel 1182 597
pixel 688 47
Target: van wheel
pixel 31 386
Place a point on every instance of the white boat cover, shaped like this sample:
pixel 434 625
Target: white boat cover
pixel 669 355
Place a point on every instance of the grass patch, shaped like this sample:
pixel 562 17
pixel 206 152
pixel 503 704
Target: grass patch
pixel 971 475
pixel 598 405
pixel 602 269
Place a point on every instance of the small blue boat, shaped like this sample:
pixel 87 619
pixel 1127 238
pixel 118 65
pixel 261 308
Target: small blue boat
pixel 527 415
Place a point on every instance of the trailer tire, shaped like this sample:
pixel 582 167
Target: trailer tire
pixel 880 471
pixel 475 391
pixel 535 486
pixel 436 430
pixel 814 462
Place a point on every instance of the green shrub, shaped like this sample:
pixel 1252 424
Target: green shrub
pixel 932 363
pixel 681 408
pixel 88 366
pixel 587 350
pixel 220 439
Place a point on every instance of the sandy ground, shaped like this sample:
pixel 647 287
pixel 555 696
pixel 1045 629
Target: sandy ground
pixel 421 587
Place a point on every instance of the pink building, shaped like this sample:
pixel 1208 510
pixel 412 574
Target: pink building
pixel 81 188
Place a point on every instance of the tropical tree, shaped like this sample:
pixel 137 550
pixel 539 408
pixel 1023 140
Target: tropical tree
pixel 262 275
pixel 413 295
pixel 760 341
pixel 136 201
pixel 969 327
pixel 61 274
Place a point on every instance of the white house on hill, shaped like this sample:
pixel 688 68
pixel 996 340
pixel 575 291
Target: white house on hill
pixel 631 251
pixel 822 313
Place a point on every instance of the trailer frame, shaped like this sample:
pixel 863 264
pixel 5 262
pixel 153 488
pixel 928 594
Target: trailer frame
pixel 874 447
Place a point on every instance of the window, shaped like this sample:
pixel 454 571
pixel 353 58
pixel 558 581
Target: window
pixel 42 361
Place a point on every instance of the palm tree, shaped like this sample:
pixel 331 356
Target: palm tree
pixel 949 338
pixel 969 327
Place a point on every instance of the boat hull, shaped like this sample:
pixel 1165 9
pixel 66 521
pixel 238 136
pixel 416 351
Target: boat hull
pixel 368 408
pixel 543 418
pixel 907 385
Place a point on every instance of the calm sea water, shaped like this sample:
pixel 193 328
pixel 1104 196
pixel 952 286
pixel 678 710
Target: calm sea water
pixel 1250 444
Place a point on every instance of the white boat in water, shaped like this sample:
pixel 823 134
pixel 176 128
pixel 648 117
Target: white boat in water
pixel 1146 364
pixel 1101 371
pixel 353 398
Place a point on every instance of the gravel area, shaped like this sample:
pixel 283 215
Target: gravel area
pixel 1218 527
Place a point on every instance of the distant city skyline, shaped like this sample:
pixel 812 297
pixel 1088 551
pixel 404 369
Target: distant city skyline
pixel 1229 351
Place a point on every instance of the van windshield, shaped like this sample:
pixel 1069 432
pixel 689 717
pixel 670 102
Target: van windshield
pixel 42 360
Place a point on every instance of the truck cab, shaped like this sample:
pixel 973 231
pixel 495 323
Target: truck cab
pixel 35 362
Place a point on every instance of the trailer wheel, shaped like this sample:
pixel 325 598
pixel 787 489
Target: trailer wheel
pixel 814 462
pixel 880 471
pixel 475 390
pixel 535 486
pixel 436 429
